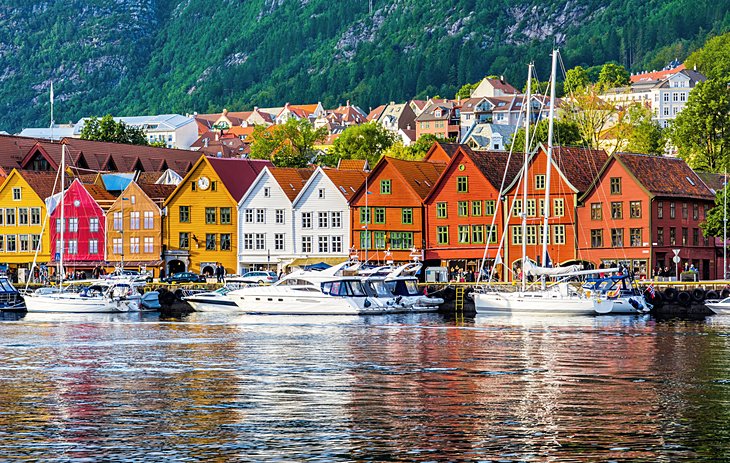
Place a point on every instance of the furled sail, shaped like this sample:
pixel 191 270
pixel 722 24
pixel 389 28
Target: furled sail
pixel 535 270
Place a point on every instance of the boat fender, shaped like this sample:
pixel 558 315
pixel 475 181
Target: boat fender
pixel 712 294
pixel 367 303
pixel 671 294
pixel 698 295
pixel 635 304
pixel 684 298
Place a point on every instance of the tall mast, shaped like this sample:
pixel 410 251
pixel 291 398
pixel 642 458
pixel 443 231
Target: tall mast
pixel 548 168
pixel 524 176
pixel 63 219
pixel 724 226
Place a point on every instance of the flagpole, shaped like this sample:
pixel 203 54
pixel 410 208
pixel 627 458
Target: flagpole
pixel 51 110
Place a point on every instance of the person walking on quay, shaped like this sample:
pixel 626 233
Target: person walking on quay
pixel 219 271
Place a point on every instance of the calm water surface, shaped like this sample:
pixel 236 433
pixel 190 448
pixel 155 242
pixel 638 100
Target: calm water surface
pixel 414 388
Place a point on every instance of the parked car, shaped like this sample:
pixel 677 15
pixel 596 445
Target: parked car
pixel 130 274
pixel 185 277
pixel 258 277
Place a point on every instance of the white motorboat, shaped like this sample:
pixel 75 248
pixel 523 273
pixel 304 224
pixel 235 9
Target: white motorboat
pixel 719 306
pixel 560 298
pixel 94 299
pixel 401 283
pixel 621 291
pixel 212 301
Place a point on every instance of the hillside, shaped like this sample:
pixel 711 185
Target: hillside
pixel 154 56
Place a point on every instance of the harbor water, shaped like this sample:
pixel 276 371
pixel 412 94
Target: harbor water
pixel 426 387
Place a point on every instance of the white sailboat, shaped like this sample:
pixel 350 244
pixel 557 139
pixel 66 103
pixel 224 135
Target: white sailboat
pixel 110 297
pixel 558 298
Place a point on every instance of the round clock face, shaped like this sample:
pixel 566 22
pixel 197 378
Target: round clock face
pixel 77 203
pixel 203 183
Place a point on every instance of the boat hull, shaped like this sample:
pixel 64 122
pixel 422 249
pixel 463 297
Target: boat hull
pixel 212 304
pixel 717 307
pixel 531 303
pixel 72 303
pixel 294 302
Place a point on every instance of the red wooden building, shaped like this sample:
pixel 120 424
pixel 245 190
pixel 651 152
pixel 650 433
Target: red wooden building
pixel 85 227
pixel 572 173
pixel 463 210
pixel 387 222
pixel 642 207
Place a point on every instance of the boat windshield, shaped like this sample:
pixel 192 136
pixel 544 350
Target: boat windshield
pixel 6 286
pixel 344 288
pixel 404 287
pixel 293 282
pixel 223 291
pixel 380 288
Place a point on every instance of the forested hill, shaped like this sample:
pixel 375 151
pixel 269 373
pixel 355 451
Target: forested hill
pixel 158 56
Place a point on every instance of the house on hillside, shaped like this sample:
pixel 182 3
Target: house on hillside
pixel 439 118
pixel 175 130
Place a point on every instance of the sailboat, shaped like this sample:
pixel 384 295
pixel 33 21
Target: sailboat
pixel 103 297
pixel 558 298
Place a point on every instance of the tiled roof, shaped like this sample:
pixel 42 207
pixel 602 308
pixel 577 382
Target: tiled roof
pixel 715 182
pixel 239 131
pixel 13 150
pixel 492 165
pixel 665 176
pixel 157 192
pixel 656 75
pixel 449 148
pixel 420 175
pixel 502 85
pixel 352 164
pixel 42 182
pixel 99 194
pixel 374 115
pixel 291 179
pixel 238 174
pixel 149 177
pixel 579 165
pixel 346 181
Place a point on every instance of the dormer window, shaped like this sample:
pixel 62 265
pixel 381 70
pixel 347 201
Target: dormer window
pixel 437 113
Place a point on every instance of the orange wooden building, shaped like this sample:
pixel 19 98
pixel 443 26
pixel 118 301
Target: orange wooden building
pixel 387 213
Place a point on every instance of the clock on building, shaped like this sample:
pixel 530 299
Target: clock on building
pixel 203 183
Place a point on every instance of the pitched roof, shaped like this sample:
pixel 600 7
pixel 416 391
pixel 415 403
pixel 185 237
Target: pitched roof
pixel 156 191
pixel 421 176
pixel 492 165
pixel 579 165
pixel 41 182
pixel 715 182
pixel 656 75
pixel 499 84
pixel 99 194
pixel 13 150
pixel 353 164
pixel 149 177
pixel 346 181
pixel 237 175
pixel 665 176
pixel 291 179
pixel 374 115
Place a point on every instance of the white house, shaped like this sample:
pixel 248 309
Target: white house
pixel 266 222
pixel 322 213
pixel 175 130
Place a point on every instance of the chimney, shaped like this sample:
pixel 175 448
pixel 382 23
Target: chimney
pixel 216 136
pixel 348 103
pixel 255 108
pixel 392 103
pixel 501 79
pixel 225 111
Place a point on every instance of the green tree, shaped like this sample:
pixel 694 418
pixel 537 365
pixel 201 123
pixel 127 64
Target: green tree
pixel 466 90
pixel 567 133
pixel 713 60
pixel 591 114
pixel 287 145
pixel 398 151
pixel 365 141
pixel 420 147
pixel 714 222
pixel 576 80
pixel 613 75
pixel 107 129
pixel 645 135
pixel 701 132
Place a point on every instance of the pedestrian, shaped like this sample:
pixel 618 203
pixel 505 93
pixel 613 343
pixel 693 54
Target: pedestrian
pixel 219 272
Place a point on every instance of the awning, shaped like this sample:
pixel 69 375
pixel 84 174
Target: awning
pixel 301 262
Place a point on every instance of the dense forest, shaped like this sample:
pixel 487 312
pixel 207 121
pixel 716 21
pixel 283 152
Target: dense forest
pixel 159 56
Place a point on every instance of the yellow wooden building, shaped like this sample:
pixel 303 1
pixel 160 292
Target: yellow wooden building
pixel 201 215
pixel 22 216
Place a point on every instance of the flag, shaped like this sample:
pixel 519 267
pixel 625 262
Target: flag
pixel 651 290
pixel 51 92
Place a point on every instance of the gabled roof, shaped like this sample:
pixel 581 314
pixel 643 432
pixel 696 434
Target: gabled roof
pixel 237 175
pixel 353 164
pixel 714 182
pixel 504 86
pixel 420 176
pixel 13 150
pixel 347 182
pixel 290 179
pixel 374 115
pixel 665 176
pixel 99 194
pixel 449 148
pixel 41 182
pixel 157 192
pixel 580 166
pixel 656 75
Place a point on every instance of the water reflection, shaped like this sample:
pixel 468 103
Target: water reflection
pixel 411 387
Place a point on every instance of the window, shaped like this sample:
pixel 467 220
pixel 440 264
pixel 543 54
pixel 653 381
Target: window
pixel 462 184
pixel 516 234
pixel 540 182
pixel 531 211
pixel 492 234
pixel 463 233
pixel 93 224
pixel 660 236
pixel 117 246
pixel 192 186
pixel 477 233
pixel 10 243
pixel 134 245
pixel 365 242
pixel 278 241
pixel 635 209
pixel 635 237
pixel 517 208
pixel 248 241
pixel 336 219
pixel 260 215
pixel 489 207
pixel 16 194
pixel 385 188
pixel 615 185
pixel 695 237
pixel 379 239
pixel 323 219
pixel 336 244
pixel 73 224
pixel 401 240
pixel 617 210
pixel 660 209
pixel 559 207
pixel 267 192
pixel 442 234
pixel 280 216
pixel 73 247
pixel 531 235
pixel 380 215
pixel 672 210
pixel 407 216
pixel 306 220
pixel 118 223
pixel 559 234
pixel 248 215
pixel 695 211
pixel 35 215
pixel 476 208
pixel 10 216
pixel 149 245
pixel 617 237
pixel 364 215
pixel 149 220
pixel 323 244
pixel 307 244
pixel 320 192
pixel 225 213
pixel 2 243
pixel 210 242
pixel 441 211
pixel 134 220
pixel 225 241
pixel 35 242
pixel 260 241
pixel 23 240
pixel 184 240
pixel 597 238
pixel 184 215
pixel 58 225
pixel 685 235
pixel 463 208
pixel 685 211
pixel 22 216
pixel 672 236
